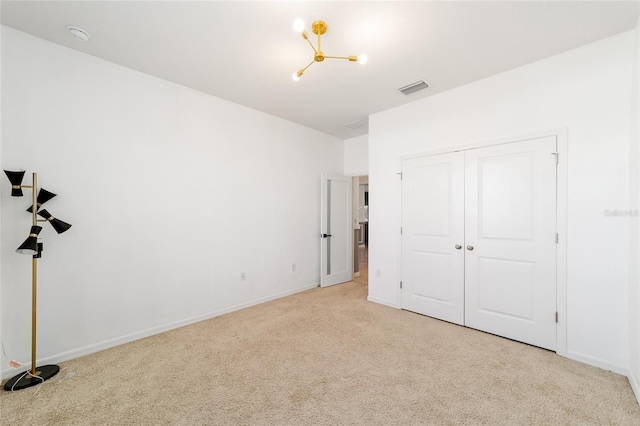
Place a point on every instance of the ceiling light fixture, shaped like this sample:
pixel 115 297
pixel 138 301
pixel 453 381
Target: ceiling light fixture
pixel 319 28
pixel 79 33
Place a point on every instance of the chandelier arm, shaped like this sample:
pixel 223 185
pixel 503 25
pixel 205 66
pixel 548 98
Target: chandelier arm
pixel 311 44
pixel 311 63
pixel 338 57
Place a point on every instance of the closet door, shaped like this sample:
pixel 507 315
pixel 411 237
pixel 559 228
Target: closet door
pixel 510 240
pixel 432 228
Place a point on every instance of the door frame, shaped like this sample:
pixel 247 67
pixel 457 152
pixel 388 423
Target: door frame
pixel 561 135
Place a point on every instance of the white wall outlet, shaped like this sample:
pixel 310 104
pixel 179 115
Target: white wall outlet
pixel 243 276
pixel 294 267
pixel 378 273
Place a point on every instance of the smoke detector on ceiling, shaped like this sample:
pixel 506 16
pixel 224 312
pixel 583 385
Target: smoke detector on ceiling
pixel 79 33
pixel 413 87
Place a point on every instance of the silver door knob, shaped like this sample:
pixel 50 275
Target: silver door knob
pixel 469 248
pixel 458 246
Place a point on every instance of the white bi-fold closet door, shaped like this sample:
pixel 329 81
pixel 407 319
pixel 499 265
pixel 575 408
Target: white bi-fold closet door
pixel 479 239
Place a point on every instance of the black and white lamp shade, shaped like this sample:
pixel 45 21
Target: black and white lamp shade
pixel 43 197
pixel 30 245
pixel 15 177
pixel 57 224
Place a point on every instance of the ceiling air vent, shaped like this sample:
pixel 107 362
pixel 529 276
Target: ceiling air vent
pixel 413 87
pixel 355 125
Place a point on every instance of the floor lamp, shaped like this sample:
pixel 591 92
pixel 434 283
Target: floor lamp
pixel 31 246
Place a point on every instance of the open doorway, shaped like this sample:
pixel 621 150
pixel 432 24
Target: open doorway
pixel 361 229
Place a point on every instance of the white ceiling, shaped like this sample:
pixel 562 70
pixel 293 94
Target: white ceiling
pixel 245 52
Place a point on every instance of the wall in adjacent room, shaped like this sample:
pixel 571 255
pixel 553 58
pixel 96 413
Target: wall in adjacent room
pixel 634 228
pixel 356 156
pixel 171 196
pixel 586 92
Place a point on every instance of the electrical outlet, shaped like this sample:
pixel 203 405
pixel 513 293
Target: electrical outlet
pixel 243 276
pixel 293 267
pixel 378 273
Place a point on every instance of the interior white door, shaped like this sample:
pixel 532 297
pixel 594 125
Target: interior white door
pixel 510 240
pixel 433 236
pixel 336 231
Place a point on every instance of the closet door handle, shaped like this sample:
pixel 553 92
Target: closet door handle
pixel 458 246
pixel 469 248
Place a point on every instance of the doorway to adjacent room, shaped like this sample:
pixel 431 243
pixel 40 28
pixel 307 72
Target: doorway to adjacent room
pixel 361 229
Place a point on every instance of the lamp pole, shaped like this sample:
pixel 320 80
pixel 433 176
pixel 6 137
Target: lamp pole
pixel 34 277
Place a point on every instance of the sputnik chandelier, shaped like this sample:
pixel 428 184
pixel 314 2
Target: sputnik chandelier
pixel 319 28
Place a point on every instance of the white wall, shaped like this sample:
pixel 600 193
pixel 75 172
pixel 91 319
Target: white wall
pixel 585 91
pixel 634 228
pixel 172 194
pixel 356 156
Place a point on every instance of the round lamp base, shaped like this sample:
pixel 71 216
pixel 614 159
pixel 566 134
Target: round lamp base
pixel 24 380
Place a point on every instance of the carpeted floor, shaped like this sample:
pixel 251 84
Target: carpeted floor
pixel 325 357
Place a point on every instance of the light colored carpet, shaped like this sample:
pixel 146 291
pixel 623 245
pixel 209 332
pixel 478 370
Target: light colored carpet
pixel 325 357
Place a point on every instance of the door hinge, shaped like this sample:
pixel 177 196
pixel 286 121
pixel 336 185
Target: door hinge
pixel 401 230
pixel 400 284
pixel 556 316
pixel 557 238
pixel 556 154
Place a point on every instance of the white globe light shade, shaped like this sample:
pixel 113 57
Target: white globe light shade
pixel 362 59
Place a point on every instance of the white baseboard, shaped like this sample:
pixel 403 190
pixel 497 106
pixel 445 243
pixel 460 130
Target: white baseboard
pixel 356 274
pixel 635 385
pixel 96 347
pixel 383 302
pixel 600 363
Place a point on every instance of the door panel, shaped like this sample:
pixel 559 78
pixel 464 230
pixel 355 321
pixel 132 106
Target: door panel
pixel 336 246
pixel 503 178
pixel 510 210
pixel 506 287
pixel 432 222
pixel 436 266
